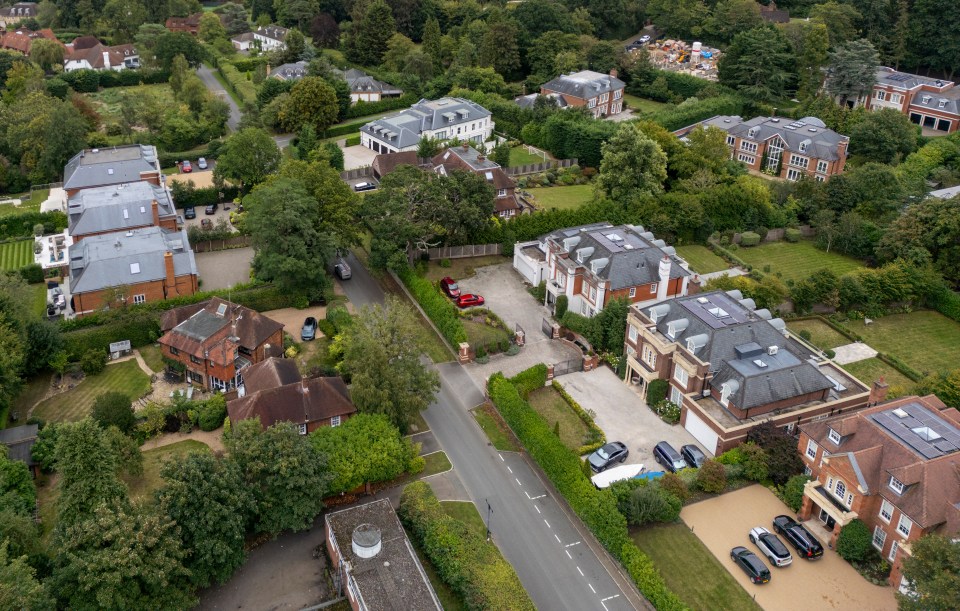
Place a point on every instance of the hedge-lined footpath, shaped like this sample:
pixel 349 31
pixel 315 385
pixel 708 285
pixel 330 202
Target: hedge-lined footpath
pixel 440 309
pixel 597 508
pixel 587 419
pixel 470 565
pixel 238 83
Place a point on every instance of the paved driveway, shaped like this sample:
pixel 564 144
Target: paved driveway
pixel 357 156
pixel 724 522
pixel 622 415
pixel 224 268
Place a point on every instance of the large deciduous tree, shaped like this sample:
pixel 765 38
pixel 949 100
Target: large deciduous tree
pixel 114 408
pixel 19 587
pixel 927 231
pixel 885 136
pixel 840 18
pixel 633 166
pixel 760 64
pixel 88 464
pixel 933 572
pixel 381 351
pixel 296 12
pixel 853 70
pixel 336 202
pixel 312 100
pixel 248 157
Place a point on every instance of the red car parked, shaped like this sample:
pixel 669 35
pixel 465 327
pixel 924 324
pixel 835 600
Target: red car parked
pixel 469 300
pixel 449 286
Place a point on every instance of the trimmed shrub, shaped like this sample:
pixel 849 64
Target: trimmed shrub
pixel 651 503
pixel 340 318
pixel 712 477
pixel 749 238
pixel 657 391
pixel 212 412
pixel 855 541
pixel 343 130
pixel 440 309
pixel 93 361
pixel 539 292
pixel 792 235
pixel 805 334
pixel 32 274
pixel 530 380
pixel 755 462
pixel 561 307
pixel 596 438
pixel 648 579
pixel 672 483
pixel 793 491
pixel 140 327
pixel 353 140
pixel 472 566
pixel 114 409
pixel 238 83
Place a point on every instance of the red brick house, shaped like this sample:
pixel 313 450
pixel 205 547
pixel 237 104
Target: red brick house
pixel 895 466
pixel 189 24
pixel 469 159
pixel 121 207
pixel 929 102
pixel 601 94
pixel 273 391
pixel 217 340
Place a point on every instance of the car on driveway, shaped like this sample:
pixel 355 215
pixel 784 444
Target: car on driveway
pixel 206 224
pixel 755 569
pixel 666 455
pixel 211 209
pixel 309 330
pixel 190 212
pixel 799 537
pixel 693 455
pixel 186 168
pixel 469 300
pixel 364 186
pixel 607 455
pixel 202 163
pixel 643 39
pixel 342 270
pixel 771 546
pixel 449 286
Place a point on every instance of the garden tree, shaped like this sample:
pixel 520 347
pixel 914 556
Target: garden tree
pixel 429 147
pixel 295 47
pixel 19 587
pixel 543 53
pixel 336 202
pixel 878 191
pixel 367 448
pixel 127 449
pixel 933 571
pixel 431 42
pixel 853 70
pixel 22 78
pixel 381 351
pixel 333 155
pixel 205 495
pixel 171 44
pixel 633 166
pixel 180 72
pixel 284 222
pixel 705 149
pixel 811 43
pixel 371 33
pixel 88 466
pixel 884 136
pixel 537 17
pixel 782 460
pixel 760 64
pixel 121 18
pixel 312 100
pixel 647 502
pixel 121 557
pixel 306 142
pixel 731 16
pixel 262 8
pixel 793 490
pixel 46 53
pixel 927 231
pixel 47 14
pixel 419 65
pixel 840 18
pixel 711 477
pixel 44 342
pixel 855 541
pixel 933 41
pixel 146 41
pixel 17 492
pixel 398 48
pixel 12 354
pixel 901 34
pixel 768 293
pixel 485 80
pixel 247 157
pixel 211 28
pixel 233 15
pixel 604 56
pixel 501 154
pixel 822 286
pixel 681 19
pixel 114 408
pixel 286 475
pixel 944 384
pixel 296 13
pixel 500 49
pixel 324 31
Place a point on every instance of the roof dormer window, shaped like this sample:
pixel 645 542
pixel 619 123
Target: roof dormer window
pixel 895 485
pixel 834 436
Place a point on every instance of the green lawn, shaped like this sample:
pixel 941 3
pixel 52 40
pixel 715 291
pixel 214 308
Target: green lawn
pixel 869 370
pixel 29 202
pixel 38 299
pixel 14 255
pixel 496 430
pixel 701 259
pixel 461 268
pixel 152 357
pixel 466 512
pixel 33 390
pixel 548 403
pixel 482 334
pixel 437 462
pixel 690 570
pixel 796 260
pixel 435 348
pixel 924 340
pixel 520 155
pixel 109 102
pixel 643 105
pixel 822 335
pixel 563 198
pixel 75 404
pixel 143 487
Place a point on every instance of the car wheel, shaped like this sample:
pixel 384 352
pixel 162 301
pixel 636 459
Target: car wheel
pixel 624 458
pixel 753 539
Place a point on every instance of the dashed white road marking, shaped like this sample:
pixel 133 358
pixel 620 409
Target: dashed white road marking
pixel 537 508
pixel 518 481
pixel 533 498
pixel 547 523
pixel 591 588
pixel 572 544
pixel 610 597
pixel 501 457
pixel 558 539
pixel 568 555
pixel 579 571
pixel 509 469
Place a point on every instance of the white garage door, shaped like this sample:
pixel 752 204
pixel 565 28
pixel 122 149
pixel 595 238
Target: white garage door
pixel 704 434
pixel 527 270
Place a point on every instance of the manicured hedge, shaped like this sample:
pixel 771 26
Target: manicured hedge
pixel 440 309
pixel 362 109
pixel 342 130
pixel 238 83
pixel 139 326
pixel 465 560
pixel 530 380
pixel 89 81
pixel 21 225
pixel 597 508
pixel 749 238
pixel 353 140
pixel 595 433
pixel 692 111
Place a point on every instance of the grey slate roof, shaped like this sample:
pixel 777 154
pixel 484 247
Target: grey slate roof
pixel 945 193
pixel 290 72
pixel 109 166
pixel 736 336
pixel 360 82
pixel 821 142
pixel 274 32
pixel 585 84
pixel 404 129
pixel 629 255
pixel 19 440
pixel 470 156
pixel 117 207
pixel 529 101
pixel 130 258
pixel 928 100
pixel 904 80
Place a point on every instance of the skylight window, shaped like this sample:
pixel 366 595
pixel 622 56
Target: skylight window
pixel 134 268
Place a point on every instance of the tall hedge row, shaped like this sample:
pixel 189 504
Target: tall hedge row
pixel 342 130
pixel 440 309
pixel 21 225
pixel 141 327
pixel 89 81
pixel 238 83
pixel 597 508
pixel 470 565
pixel 362 109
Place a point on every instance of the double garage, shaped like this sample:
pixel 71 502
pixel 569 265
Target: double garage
pixel 932 122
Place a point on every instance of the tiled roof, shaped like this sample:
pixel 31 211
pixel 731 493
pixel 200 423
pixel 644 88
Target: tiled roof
pixel 584 84
pixel 808 133
pixel 270 373
pixel 530 100
pixel 404 129
pixel 360 82
pixel 949 99
pixel 309 400
pixel 252 327
pixel 110 166
pixel 384 163
pixel 19 441
pixel 117 207
pixel 904 80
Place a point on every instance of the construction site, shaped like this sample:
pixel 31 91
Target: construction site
pixel 679 56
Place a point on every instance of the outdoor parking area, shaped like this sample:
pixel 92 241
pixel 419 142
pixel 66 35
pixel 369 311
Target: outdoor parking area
pixel 623 416
pixel 357 156
pixel 725 521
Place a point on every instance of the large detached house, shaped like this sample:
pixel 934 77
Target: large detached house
pixel 365 88
pixel 88 53
pixel 273 391
pixel 271 37
pixel 594 264
pixel 189 24
pixel 601 94
pixel 111 166
pixel 731 366
pixel 469 159
pixel 21 39
pixel 895 466
pixel 788 149
pixel 120 207
pixel 443 119
pixel 929 102
pixel 216 340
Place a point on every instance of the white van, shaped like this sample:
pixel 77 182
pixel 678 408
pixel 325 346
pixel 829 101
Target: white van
pixel 605 478
pixel 364 186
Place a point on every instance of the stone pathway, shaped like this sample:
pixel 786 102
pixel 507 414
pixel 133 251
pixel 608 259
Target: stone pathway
pixel 733 271
pixel 851 353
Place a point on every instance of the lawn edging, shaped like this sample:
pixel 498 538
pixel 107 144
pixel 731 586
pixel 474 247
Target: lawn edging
pixel 596 508
pixel 585 417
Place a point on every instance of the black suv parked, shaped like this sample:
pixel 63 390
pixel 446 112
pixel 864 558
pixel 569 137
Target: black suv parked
pixel 798 536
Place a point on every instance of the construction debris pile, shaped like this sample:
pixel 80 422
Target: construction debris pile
pixel 679 56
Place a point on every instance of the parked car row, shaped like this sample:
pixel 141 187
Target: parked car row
pixel 463 300
pixel 774 550
pixel 673 461
pixel 186 167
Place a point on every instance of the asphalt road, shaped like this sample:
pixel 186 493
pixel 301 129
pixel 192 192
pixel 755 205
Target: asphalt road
pixel 555 562
pixel 214 86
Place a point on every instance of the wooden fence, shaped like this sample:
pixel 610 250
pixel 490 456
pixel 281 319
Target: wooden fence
pixel 460 252
pixel 364 172
pixel 535 168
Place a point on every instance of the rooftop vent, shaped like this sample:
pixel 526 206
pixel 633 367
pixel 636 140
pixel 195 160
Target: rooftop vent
pixel 759 363
pixel 899 413
pixel 614 237
pixel 702 300
pixel 134 268
pixel 366 541
pixel 774 120
pixel 110 171
pixel 772 350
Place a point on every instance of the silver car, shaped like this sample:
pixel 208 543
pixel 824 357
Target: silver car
pixel 342 270
pixel 771 546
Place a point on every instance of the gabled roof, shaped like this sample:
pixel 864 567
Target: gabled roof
pixel 808 133
pixel 904 80
pixel 360 82
pixel 273 32
pixel 117 207
pixel 300 402
pixel 530 100
pixel 110 166
pixel 191 21
pixel 384 163
pixel 949 99
pixel 270 373
pixel 207 318
pixel 290 72
pixel 94 55
pixel 585 84
pixel 403 130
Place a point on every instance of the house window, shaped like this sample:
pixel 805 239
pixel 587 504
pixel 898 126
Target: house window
pixel 811 449
pixel 653 288
pixel 604 98
pixel 633 334
pixel 194 359
pixel 823 456
pixel 676 397
pixel 731 140
pixel 302 429
pixel 839 490
pixel 794 174
pixel 896 485
pixel 501 192
pixel 800 162
pixel 335 421
pixel 879 537
pixel 749 147
pixel 880 95
pixel 896 98
pixel 174 350
pixel 747 159
pixel 904 526
pixel 894 547
pixel 886 511
pixel 593 294
pixel 593 103
pixel 680 375
pixel 819 178
pixel 834 436
pixel 822 167
pixel 807 471
pixel 633 292
pixel 618 94
pixel 139 299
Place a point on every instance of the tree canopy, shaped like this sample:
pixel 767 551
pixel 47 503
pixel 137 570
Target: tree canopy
pixel 248 157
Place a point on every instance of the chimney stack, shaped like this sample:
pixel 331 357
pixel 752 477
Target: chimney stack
pixel 878 392
pixel 664 273
pixel 613 72
pixel 171 278
pixel 106 60
pixel 156 213
pixel 481 158
pixel 466 147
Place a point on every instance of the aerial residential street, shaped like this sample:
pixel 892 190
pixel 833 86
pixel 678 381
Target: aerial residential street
pixel 546 547
pixel 214 86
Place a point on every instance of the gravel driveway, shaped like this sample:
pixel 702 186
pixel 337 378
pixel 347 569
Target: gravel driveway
pixel 622 415
pixel 224 268
pixel 724 522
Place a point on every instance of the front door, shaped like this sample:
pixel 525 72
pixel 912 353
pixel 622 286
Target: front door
pixel 828 521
